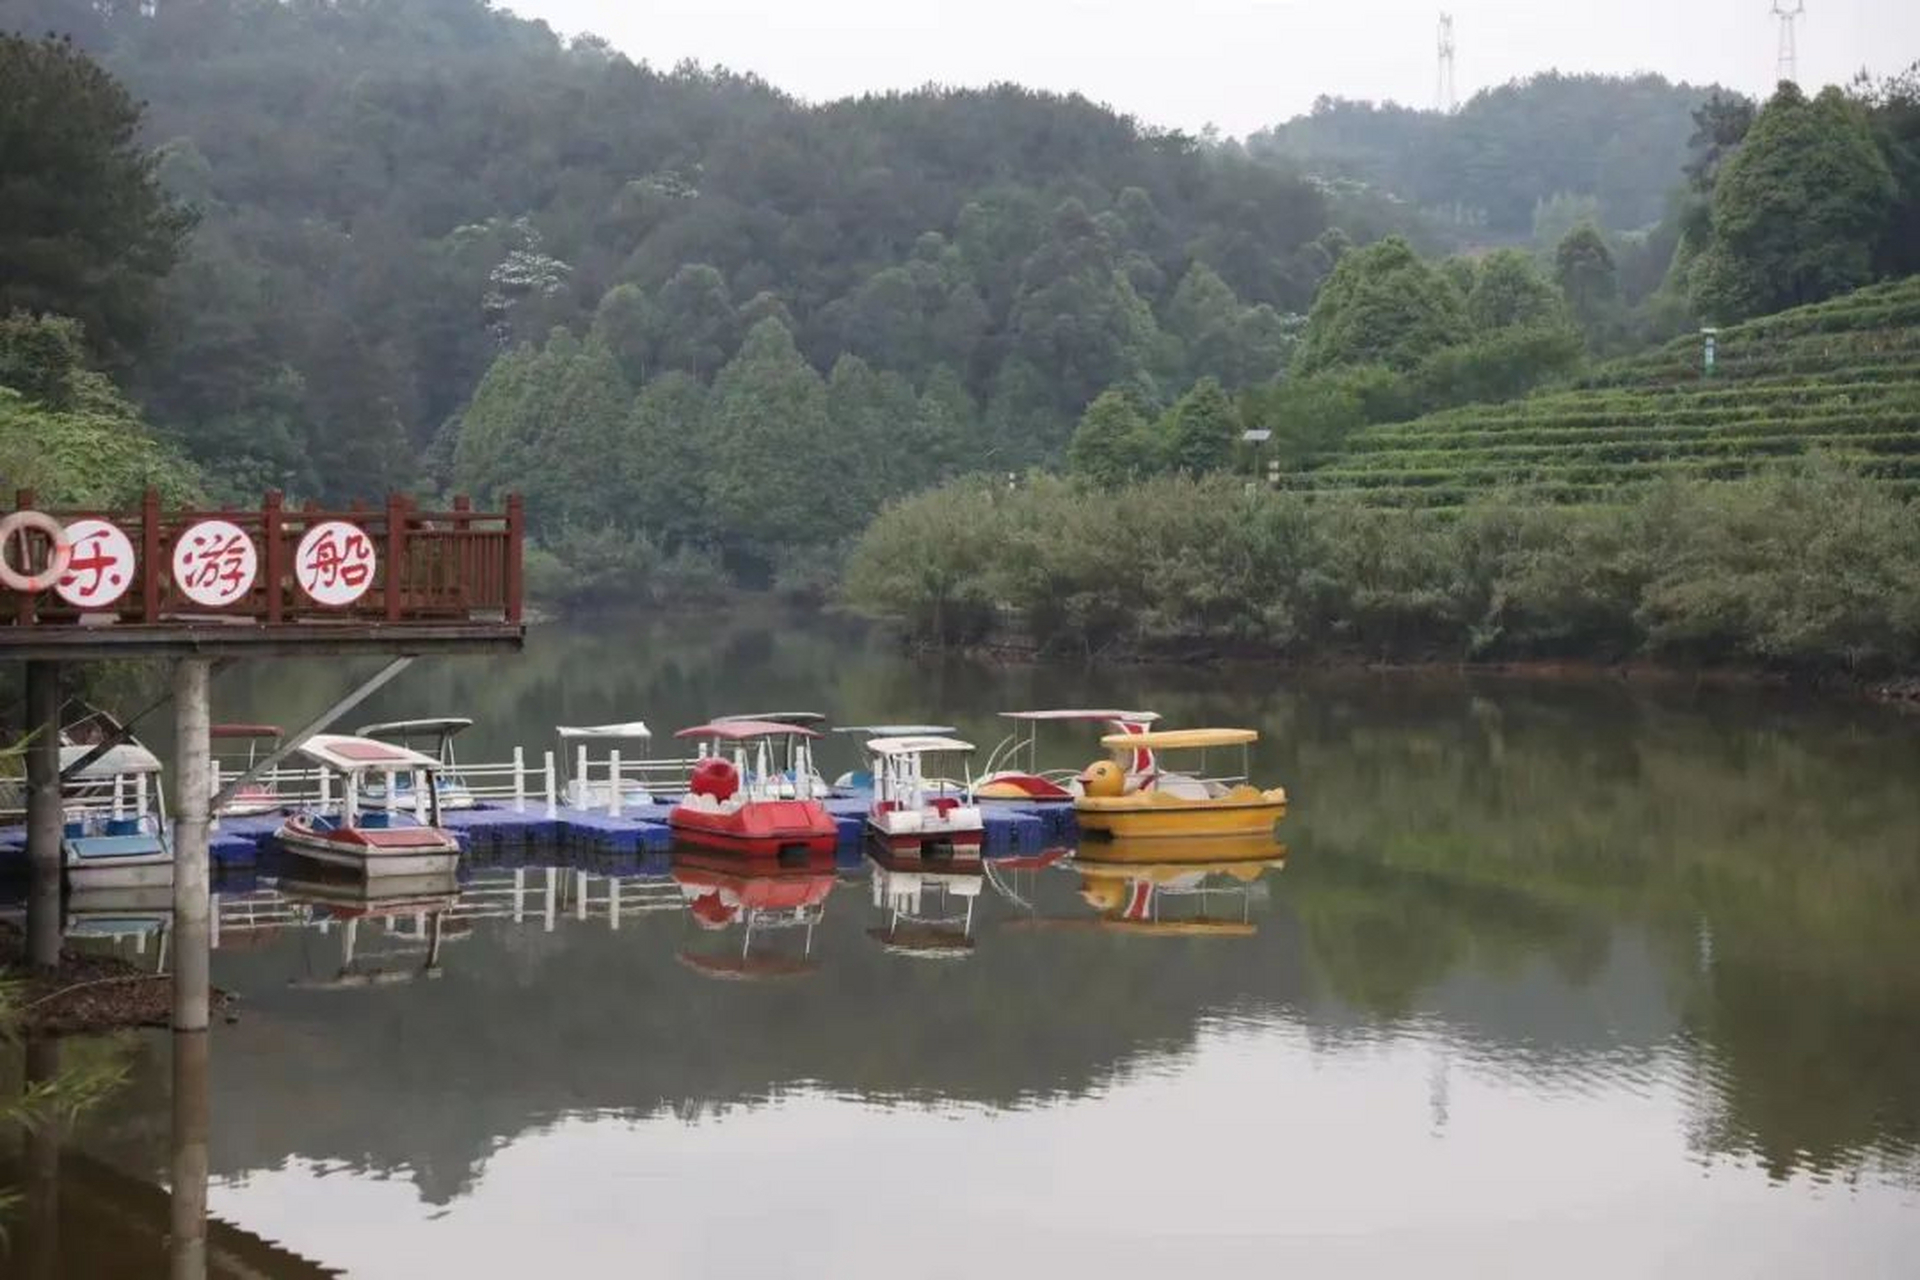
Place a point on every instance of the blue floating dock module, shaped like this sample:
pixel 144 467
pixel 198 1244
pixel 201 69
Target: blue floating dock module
pixel 1010 830
pixel 501 826
pixel 601 831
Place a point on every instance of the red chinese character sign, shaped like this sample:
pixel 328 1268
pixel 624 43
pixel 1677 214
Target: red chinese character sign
pixel 101 567
pixel 214 563
pixel 335 563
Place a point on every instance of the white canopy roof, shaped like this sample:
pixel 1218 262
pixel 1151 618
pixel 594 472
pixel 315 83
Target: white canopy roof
pixel 127 758
pixel 448 725
pixel 915 746
pixel 1066 713
pixel 897 730
pixel 630 729
pixel 363 755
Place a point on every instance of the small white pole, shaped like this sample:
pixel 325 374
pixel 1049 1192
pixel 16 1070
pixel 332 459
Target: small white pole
pixel 553 876
pixel 519 780
pixel 613 901
pixel 140 791
pixel 393 791
pixel 326 789
pixel 613 783
pixel 519 893
pixel 119 794
pixel 552 797
pixel 580 895
pixel 580 774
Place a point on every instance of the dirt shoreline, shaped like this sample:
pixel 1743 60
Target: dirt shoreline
pixel 90 993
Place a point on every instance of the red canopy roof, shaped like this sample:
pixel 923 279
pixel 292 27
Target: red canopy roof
pixel 733 730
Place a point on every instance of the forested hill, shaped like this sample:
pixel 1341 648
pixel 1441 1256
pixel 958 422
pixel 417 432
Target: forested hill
pixel 1615 145
pixel 394 192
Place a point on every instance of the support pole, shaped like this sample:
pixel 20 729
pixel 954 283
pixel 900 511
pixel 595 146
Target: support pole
pixel 192 940
pixel 43 814
pixel 187 1239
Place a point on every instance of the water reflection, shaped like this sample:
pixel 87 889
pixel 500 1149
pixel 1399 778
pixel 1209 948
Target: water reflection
pixel 926 900
pixel 405 915
pixel 1142 888
pixel 751 898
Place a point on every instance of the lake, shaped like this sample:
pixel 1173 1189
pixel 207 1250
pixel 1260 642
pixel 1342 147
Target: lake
pixel 1567 978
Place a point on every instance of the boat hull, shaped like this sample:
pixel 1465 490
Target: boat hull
pixel 408 851
pixel 904 831
pixel 1020 788
pixel 1152 815
pixel 760 826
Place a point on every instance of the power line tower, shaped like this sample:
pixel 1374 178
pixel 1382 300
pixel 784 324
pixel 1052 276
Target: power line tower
pixel 1445 99
pixel 1788 66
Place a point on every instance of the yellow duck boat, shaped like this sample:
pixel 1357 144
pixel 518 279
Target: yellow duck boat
pixel 1175 804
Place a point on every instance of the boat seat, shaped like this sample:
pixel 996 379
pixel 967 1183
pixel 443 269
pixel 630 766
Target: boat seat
pixel 1181 787
pixel 944 805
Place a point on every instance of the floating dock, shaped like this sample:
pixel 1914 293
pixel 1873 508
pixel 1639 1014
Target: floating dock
pixel 239 843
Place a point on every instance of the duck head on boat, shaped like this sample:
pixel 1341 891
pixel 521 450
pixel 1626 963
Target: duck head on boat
pixel 1117 801
pixel 377 840
pixel 1013 773
pixel 738 800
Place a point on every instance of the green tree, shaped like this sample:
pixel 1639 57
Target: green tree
pixel 668 458
pixel 1509 290
pixel 1382 305
pixel 1114 443
pixel 1797 212
pixel 85 229
pixel 946 427
pixel 626 323
pixel 1201 430
pixel 1585 269
pixel 1077 315
pixel 775 462
pixel 693 315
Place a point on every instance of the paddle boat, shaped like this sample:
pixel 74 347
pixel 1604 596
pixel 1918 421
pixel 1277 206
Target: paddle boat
pixel 1115 801
pixel 262 795
pixel 579 790
pixel 737 802
pixel 1012 771
pixel 436 734
pixel 928 903
pixel 912 811
pixel 115 828
pixel 759 896
pixel 859 782
pixel 787 770
pixel 376 841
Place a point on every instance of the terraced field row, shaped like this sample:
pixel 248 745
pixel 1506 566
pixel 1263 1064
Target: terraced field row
pixel 1841 379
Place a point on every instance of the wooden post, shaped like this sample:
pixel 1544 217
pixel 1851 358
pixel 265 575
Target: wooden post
pixel 43 815
pixel 193 749
pixel 516 538
pixel 187 1238
pixel 272 520
pixel 150 555
pixel 396 552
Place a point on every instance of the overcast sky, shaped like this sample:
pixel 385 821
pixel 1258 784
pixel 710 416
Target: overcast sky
pixel 1237 64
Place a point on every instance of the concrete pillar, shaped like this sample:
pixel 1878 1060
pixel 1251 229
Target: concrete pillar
pixel 40 1221
pixel 193 795
pixel 187 1236
pixel 43 814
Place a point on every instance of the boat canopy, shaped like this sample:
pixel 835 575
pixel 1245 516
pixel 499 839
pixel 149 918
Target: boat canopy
pixel 740 730
pixel 1131 717
pixel 433 725
pixel 776 717
pixel 1180 739
pixel 903 746
pixel 899 730
pixel 630 729
pixel 121 761
pixel 245 731
pixel 363 755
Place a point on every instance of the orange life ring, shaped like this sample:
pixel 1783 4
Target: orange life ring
pixel 20 522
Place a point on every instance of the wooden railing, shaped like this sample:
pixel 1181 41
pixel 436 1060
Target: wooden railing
pixel 458 565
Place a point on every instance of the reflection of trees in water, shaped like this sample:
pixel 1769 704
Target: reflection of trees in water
pixel 1526 868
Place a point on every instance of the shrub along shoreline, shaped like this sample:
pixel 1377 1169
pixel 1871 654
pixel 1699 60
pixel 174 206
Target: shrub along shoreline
pixel 1809 571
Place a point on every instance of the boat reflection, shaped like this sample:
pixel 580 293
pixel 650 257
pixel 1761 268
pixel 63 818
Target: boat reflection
pixel 412 910
pixel 928 901
pixel 761 897
pixel 122 919
pixel 1170 888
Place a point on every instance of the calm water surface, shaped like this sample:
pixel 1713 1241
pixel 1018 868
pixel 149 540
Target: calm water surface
pixel 1568 980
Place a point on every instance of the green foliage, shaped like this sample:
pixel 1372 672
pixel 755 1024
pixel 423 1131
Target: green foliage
pixel 85 229
pixel 1201 430
pixel 583 568
pixel 1590 281
pixel 1797 211
pixel 1812 568
pixel 1114 443
pixel 66 431
pixel 1313 413
pixel 1509 290
pixel 1382 305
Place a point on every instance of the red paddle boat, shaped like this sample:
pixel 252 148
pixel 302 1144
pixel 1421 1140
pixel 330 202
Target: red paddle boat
pixel 739 801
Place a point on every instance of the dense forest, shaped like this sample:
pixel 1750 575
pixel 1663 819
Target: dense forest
pixel 343 246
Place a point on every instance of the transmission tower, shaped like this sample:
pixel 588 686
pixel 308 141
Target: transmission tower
pixel 1445 98
pixel 1788 68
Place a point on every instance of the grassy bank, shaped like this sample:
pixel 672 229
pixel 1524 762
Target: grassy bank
pixel 1813 568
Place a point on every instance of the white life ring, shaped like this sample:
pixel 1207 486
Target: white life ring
pixel 20 522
